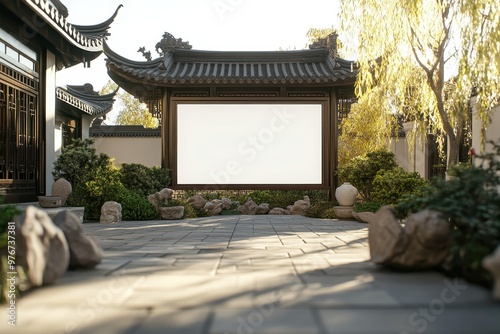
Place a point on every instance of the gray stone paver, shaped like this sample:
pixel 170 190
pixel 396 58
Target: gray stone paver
pixel 249 274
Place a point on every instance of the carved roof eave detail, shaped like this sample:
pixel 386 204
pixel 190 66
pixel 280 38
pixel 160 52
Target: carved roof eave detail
pixel 92 104
pixel 88 38
pixel 199 67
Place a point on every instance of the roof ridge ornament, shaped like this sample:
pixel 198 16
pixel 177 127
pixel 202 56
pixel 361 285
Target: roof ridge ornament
pixel 145 54
pixel 169 43
pixel 329 42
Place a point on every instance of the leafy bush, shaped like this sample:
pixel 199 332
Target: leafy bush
pixel 367 207
pixel 283 198
pixel 361 171
pixel 78 160
pixel 144 180
pixel 104 185
pixel 470 201
pixel 390 185
pixel 134 206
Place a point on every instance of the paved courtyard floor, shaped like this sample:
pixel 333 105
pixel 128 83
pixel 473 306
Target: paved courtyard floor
pixel 249 275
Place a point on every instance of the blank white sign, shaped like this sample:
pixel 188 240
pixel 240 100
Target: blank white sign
pixel 249 144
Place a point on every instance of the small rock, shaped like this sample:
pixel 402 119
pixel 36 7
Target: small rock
pixel 363 217
pixel 197 201
pixel 172 212
pixel 278 211
pixel 262 209
pixel 492 264
pixel 213 208
pixel 62 188
pixel 111 213
pixel 227 204
pixel 84 250
pixel 249 208
pixel 41 248
pixel 301 206
pixel 161 198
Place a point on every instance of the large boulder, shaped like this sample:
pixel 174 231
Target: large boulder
pixel 197 201
pixel 422 243
pixel 62 188
pixel 301 206
pixel 41 248
pixel 171 212
pixel 111 213
pixel 83 250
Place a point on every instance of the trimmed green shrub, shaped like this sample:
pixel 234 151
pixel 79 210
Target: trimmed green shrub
pixel 79 160
pixel 144 180
pixel 283 198
pixel 391 185
pixel 361 171
pixel 367 207
pixel 104 185
pixel 470 200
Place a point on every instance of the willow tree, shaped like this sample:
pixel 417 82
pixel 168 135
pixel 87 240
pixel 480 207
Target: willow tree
pixel 422 59
pixel 131 110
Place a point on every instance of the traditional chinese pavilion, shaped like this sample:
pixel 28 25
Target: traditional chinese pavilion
pixel 36 41
pixel 182 77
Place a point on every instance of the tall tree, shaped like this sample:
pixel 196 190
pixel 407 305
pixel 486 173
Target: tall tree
pixel 422 59
pixel 131 110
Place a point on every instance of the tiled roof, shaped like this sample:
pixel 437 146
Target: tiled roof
pixel 89 38
pixel 86 99
pixel 123 131
pixel 195 67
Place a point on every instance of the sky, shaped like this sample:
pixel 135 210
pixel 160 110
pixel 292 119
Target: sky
pixel 238 25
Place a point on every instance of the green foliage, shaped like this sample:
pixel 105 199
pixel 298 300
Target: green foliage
pixel 144 180
pixel 283 198
pixel 389 186
pixel 7 212
pixel 78 160
pixel 367 207
pixel 329 214
pixel 131 111
pixel 104 185
pixel 470 201
pixel 321 209
pixel 361 171
pixel 406 56
pixel 135 206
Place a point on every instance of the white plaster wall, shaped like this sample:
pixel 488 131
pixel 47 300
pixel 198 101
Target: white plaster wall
pixel 415 161
pixel 145 151
pixel 86 122
pixel 53 141
pixel 492 132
